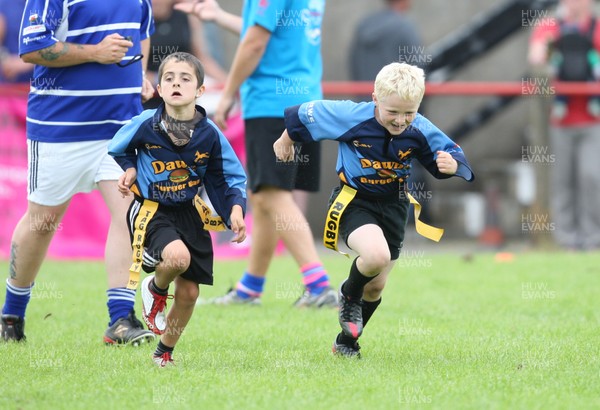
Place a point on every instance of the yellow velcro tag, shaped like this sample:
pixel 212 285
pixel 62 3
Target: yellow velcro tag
pixel 428 231
pixel 144 216
pixel 334 214
pixel 211 223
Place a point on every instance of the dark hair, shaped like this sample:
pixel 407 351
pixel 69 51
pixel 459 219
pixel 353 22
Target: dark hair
pixel 187 58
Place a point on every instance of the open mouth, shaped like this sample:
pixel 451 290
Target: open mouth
pixel 176 94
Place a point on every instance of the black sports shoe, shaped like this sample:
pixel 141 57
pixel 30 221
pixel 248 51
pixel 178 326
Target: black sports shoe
pixel 12 327
pixel 341 349
pixel 350 315
pixel 127 330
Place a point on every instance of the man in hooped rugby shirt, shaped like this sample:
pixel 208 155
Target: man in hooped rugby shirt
pixel 88 82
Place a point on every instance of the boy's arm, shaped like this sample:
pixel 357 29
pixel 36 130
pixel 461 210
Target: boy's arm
pixel 446 163
pixel 441 156
pixel 284 147
pixel 123 145
pixel 225 179
pixel 238 226
pixel 324 119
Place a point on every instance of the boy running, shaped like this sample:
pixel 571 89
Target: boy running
pixel 378 140
pixel 169 154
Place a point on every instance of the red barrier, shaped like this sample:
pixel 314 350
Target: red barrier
pixel 527 86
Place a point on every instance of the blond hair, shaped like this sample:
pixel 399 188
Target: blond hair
pixel 408 81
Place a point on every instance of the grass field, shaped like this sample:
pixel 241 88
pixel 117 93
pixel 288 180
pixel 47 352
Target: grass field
pixel 453 332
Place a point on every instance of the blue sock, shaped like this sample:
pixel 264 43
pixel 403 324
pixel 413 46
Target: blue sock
pixel 120 303
pixel 250 286
pixel 16 300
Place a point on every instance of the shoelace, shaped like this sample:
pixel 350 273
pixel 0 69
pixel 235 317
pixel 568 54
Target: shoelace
pixel 160 302
pixel 165 358
pixel 351 310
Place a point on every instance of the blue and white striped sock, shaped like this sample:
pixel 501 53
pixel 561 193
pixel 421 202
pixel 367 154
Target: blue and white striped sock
pixel 16 300
pixel 120 303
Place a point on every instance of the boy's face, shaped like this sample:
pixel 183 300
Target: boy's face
pixel 179 86
pixel 394 113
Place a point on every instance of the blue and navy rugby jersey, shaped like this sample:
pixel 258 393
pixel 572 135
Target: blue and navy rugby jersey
pixel 370 159
pixel 172 175
pixel 89 101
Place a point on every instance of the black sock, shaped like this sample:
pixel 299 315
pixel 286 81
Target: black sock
pixel 355 284
pixel 367 310
pixel 158 290
pixel 162 349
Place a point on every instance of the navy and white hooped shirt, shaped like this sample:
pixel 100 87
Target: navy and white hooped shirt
pixel 91 101
pixel 370 159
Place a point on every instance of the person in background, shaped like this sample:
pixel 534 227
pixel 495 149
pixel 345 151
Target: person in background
pixel 278 63
pixel 574 129
pixel 12 68
pixel 384 37
pixel 175 31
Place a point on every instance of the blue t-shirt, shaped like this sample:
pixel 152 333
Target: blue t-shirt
pixel 91 101
pixel 291 68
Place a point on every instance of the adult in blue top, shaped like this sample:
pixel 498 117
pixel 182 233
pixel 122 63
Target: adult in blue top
pixel 377 142
pixel 277 64
pixel 87 83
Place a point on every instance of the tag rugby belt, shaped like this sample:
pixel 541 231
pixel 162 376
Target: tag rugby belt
pixel 346 195
pixel 145 214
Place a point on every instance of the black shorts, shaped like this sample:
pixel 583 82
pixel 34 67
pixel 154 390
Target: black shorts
pixel 390 214
pixel 168 225
pixel 263 167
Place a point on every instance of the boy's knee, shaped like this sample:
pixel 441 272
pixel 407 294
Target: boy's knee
pixel 376 261
pixel 176 258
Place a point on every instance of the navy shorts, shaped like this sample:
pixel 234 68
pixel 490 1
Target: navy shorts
pixel 265 170
pixel 170 224
pixel 390 214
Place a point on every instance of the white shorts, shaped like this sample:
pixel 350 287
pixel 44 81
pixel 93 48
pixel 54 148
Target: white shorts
pixel 58 170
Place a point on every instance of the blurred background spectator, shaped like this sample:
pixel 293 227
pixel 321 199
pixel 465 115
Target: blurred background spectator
pixel 575 126
pixel 383 37
pixel 177 31
pixel 12 68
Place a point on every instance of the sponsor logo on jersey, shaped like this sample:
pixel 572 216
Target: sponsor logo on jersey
pixel 179 175
pixel 201 156
pixel 359 144
pixel 38 28
pixel 404 154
